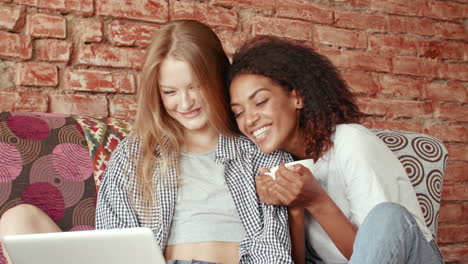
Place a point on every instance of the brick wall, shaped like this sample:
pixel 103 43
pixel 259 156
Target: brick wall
pixel 405 59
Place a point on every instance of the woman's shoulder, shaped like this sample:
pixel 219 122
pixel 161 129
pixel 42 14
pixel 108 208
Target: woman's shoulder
pixel 352 134
pixel 355 138
pixel 129 146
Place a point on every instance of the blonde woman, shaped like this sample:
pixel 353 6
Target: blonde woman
pixel 184 172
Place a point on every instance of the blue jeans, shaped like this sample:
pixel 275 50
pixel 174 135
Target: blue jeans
pixel 390 234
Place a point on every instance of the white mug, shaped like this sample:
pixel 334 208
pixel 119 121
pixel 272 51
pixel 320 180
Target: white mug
pixel 308 163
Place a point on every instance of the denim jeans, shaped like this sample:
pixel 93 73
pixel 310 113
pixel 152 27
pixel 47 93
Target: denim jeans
pixel 390 234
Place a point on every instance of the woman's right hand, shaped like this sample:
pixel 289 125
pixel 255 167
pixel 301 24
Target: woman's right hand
pixel 265 190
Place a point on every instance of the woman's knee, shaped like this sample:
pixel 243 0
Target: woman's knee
pixel 25 218
pixel 21 212
pixel 389 215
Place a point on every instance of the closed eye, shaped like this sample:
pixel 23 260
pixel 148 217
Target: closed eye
pixel 261 102
pixel 238 114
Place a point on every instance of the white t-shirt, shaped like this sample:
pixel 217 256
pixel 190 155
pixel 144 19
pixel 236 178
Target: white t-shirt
pixel 358 173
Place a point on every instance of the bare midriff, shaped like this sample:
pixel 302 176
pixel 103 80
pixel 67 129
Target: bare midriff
pixel 217 252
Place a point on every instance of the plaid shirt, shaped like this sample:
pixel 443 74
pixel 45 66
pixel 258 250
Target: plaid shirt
pixel 267 234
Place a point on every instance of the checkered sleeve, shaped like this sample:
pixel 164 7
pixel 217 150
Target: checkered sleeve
pixel 114 207
pixel 274 243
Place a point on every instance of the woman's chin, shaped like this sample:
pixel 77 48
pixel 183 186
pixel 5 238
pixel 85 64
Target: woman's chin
pixel 266 148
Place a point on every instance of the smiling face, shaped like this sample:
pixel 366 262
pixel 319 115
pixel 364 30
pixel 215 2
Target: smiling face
pixel 265 112
pixel 180 96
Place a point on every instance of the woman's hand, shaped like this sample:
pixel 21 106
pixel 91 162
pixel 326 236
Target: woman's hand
pixel 297 186
pixel 265 188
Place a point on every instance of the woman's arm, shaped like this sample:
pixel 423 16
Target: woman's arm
pixel 297 186
pixel 340 230
pixel 114 209
pixel 297 232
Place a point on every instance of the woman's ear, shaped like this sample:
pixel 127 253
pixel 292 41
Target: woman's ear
pixel 298 101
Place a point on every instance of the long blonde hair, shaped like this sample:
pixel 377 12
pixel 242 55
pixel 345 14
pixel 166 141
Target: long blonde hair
pixel 160 135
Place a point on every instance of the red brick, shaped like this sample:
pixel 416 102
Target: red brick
pixel 451 212
pixel 95 105
pixel 48 26
pixel 348 19
pixel 23 102
pixel 398 125
pixel 400 86
pixel 454 191
pixel 332 53
pixel 443 49
pixel 372 106
pixel 360 82
pixel 450 30
pixel 15 46
pixel 304 9
pixel 340 37
pixel 393 44
pixel 362 61
pixel 261 4
pixel 454 252
pixel 426 27
pixel 401 7
pixel 36 74
pixel 84 7
pixel 415 25
pixel 125 108
pixel 53 50
pixel 395 108
pixel 444 10
pixel 416 66
pixel 101 81
pixel 10 16
pixel 90 30
pixel 451 112
pixel 231 42
pixel 409 109
pixel 48 4
pixel 456 171
pixel 124 34
pixel 283 28
pixel 211 15
pixel 108 56
pixel 457 151
pixel 451 233
pixel 446 91
pixel 457 72
pixel 146 10
pixel 450 132
pixel 356 3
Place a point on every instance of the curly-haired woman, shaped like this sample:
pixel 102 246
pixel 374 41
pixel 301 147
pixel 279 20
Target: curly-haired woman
pixel 357 203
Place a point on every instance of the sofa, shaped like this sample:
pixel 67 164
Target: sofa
pixel 56 162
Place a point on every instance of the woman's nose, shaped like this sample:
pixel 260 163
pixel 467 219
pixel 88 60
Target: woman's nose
pixel 251 117
pixel 187 100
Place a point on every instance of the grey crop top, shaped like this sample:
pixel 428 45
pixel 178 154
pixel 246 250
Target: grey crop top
pixel 205 210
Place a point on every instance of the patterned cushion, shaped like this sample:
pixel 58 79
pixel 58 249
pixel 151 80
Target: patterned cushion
pixel 424 159
pixel 45 162
pixel 103 135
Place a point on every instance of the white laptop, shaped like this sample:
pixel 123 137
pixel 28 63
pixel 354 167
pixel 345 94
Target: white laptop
pixel 115 246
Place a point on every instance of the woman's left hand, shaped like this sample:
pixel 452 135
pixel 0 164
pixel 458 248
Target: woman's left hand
pixel 297 186
pixel 265 188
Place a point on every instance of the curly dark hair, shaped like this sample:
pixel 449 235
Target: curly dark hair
pixel 328 101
